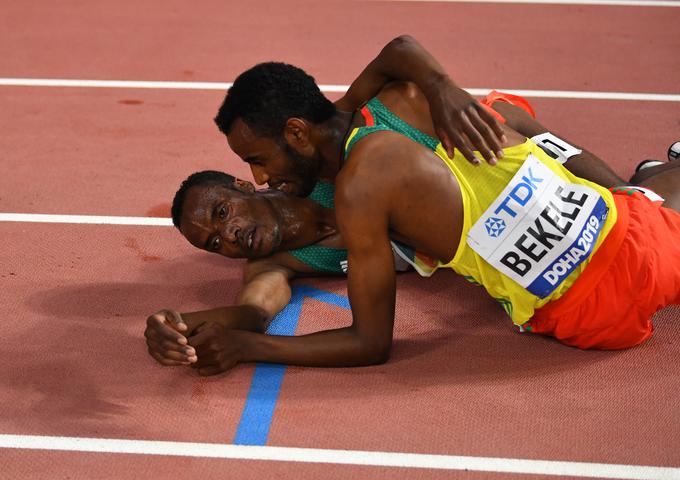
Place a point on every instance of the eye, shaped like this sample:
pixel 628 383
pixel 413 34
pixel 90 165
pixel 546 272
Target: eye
pixel 222 212
pixel 215 244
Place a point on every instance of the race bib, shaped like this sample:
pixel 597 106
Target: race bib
pixel 540 228
pixel 555 147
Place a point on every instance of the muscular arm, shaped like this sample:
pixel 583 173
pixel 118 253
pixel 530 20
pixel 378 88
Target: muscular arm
pixel 401 59
pixel 367 341
pixel 585 165
pixel 460 121
pixel 371 287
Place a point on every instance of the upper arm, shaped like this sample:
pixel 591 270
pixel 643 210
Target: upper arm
pixel 363 218
pixel 403 58
pixel 367 85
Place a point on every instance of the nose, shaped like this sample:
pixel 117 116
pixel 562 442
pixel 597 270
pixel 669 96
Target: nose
pixel 259 174
pixel 230 232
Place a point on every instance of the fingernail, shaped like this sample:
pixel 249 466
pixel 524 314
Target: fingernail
pixel 189 351
pixel 500 154
pixel 504 139
pixel 182 341
pixel 193 359
pixel 493 160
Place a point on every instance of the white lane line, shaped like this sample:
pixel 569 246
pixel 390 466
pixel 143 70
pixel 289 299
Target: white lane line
pixel 618 3
pixel 53 82
pixel 88 219
pixel 340 457
pixel 63 82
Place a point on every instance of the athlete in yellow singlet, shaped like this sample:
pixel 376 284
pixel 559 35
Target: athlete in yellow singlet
pixel 551 237
pixel 525 220
pixel 544 242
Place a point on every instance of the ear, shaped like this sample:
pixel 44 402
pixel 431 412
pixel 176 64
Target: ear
pixel 296 133
pixel 244 186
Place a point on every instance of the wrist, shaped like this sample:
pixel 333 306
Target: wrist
pixel 247 342
pixel 435 83
pixel 246 317
pixel 192 320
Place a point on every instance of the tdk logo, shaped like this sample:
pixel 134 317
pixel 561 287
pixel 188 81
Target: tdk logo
pixel 520 194
pixel 494 226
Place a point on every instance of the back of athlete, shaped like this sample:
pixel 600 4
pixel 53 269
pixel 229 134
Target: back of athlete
pixel 432 213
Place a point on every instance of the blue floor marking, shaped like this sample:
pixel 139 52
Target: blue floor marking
pixel 256 419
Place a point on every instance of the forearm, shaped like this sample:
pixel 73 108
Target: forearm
pixel 262 296
pixel 586 164
pixel 239 317
pixel 343 347
pixel 401 59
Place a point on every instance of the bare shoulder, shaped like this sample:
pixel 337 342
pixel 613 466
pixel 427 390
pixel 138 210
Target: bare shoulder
pixel 368 172
pixel 381 166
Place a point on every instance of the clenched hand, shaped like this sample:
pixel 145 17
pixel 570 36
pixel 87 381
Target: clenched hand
pixel 218 348
pixel 165 338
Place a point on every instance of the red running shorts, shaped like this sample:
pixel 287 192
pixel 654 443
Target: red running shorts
pixel 635 273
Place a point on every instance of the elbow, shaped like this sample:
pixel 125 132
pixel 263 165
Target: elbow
pixel 402 41
pixel 377 353
pixel 381 358
pixel 400 44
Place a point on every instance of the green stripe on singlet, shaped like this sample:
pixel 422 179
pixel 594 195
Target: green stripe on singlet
pixel 386 121
pixel 362 132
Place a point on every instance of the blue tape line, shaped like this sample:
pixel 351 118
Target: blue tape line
pixel 326 297
pixel 258 412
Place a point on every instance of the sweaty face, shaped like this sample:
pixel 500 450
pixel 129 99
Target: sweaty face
pixel 274 163
pixel 229 222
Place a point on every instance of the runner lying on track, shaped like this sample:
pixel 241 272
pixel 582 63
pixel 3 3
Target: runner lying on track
pixel 463 124
pixel 544 300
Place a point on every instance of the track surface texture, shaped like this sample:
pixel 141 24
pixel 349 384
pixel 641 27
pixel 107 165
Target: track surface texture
pixel 461 381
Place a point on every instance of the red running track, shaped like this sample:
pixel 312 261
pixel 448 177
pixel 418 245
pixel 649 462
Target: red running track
pixel 461 380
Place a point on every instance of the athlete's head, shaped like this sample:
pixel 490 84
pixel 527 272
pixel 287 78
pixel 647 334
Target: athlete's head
pixel 267 117
pixel 219 213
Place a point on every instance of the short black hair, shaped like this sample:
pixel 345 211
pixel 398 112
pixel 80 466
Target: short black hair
pixel 268 94
pixel 197 179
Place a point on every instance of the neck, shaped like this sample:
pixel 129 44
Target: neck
pixel 301 221
pixel 331 137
